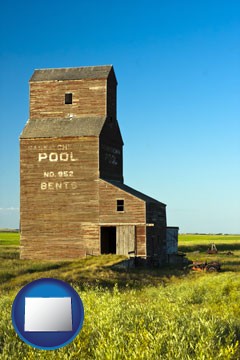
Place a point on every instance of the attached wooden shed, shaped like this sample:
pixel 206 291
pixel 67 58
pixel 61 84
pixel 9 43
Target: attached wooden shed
pixel 73 198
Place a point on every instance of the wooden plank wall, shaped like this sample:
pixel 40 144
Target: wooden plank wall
pixel 141 240
pixel 156 235
pixel 125 239
pixel 63 200
pixel 59 193
pixel 134 212
pixel 47 98
pixel 172 240
pixel 111 156
pixel 112 96
pixel 90 234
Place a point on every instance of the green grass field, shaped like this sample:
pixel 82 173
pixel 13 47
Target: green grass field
pixel 141 313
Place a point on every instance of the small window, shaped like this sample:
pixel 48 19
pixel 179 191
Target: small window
pixel 120 205
pixel 68 98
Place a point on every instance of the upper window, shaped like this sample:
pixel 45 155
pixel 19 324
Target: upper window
pixel 68 98
pixel 120 205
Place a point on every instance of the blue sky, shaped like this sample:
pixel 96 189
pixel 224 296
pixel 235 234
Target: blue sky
pixel 178 70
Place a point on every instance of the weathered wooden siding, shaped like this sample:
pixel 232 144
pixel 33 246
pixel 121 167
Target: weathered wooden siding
pixel 47 98
pixel 156 235
pixel 156 213
pixel 172 240
pixel 66 152
pixel 110 154
pixel 126 239
pixel 59 197
pixel 141 239
pixel 112 95
pixel 90 234
pixel 134 212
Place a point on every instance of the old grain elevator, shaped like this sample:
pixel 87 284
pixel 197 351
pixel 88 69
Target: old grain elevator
pixel 73 198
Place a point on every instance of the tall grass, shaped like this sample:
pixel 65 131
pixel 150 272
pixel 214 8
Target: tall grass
pixel 148 314
pixel 196 318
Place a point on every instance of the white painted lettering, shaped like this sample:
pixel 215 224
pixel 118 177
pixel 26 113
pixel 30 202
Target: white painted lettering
pixel 51 186
pixel 61 185
pixel 111 159
pixel 43 186
pixel 65 173
pixel 62 147
pixel 53 156
pixel 74 185
pixel 42 156
pixel 64 156
pixel 72 158
pixel 48 174
pixel 66 183
pixel 58 185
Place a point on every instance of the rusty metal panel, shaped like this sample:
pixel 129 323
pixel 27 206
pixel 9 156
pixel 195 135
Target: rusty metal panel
pixel 125 239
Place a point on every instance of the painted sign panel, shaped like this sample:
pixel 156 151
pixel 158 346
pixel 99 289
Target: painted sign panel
pixel 59 176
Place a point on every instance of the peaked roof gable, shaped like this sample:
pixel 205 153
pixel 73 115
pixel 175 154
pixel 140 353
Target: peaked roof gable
pixel 133 192
pixel 76 73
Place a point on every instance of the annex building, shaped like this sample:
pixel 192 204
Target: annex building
pixel 73 198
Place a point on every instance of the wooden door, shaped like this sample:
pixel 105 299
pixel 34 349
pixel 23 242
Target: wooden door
pixel 125 240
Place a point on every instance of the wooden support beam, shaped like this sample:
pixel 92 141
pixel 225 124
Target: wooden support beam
pixel 119 224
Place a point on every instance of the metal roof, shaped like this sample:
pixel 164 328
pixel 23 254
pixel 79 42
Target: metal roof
pixel 76 73
pixel 48 128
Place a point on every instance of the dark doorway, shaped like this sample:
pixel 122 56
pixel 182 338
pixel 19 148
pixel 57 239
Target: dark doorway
pixel 108 240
